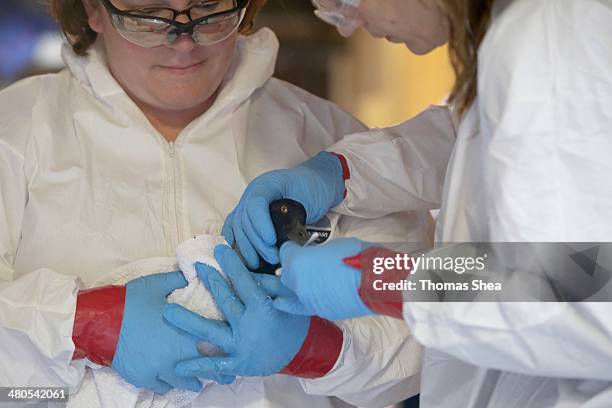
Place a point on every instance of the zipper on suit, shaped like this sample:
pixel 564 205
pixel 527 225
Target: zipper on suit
pixel 174 196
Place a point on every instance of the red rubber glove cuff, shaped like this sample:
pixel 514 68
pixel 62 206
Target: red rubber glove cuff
pixel 387 302
pixel 97 323
pixel 346 172
pixel 319 352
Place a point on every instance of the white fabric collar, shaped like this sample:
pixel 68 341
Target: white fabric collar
pixel 253 65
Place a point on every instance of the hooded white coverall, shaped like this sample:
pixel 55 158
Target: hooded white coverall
pixel 532 162
pixel 88 185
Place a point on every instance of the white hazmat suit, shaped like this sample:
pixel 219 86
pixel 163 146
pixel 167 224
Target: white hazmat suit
pixel 89 186
pixel 532 162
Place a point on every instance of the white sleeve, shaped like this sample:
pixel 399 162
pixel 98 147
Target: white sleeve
pixel 545 93
pixel 37 309
pixel 400 168
pixel 379 365
pixel 538 339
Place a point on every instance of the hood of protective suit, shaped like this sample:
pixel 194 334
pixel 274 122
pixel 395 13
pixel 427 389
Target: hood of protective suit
pixel 253 64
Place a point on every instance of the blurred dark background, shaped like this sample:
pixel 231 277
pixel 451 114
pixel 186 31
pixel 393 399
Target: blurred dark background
pixel 30 43
pixel 307 44
pixel 378 82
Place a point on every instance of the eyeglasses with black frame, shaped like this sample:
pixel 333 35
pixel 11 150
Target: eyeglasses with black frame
pixel 210 22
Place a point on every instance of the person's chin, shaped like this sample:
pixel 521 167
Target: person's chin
pixel 182 91
pixel 416 51
pixel 420 48
pixel 183 103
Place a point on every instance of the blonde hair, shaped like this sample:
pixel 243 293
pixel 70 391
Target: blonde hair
pixel 72 18
pixel 469 21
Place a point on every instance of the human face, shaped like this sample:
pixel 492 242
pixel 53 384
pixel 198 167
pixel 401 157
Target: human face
pixel 420 24
pixel 182 76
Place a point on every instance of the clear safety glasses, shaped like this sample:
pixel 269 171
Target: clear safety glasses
pixel 210 22
pixel 344 14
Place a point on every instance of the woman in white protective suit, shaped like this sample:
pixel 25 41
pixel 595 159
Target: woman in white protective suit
pixel 530 163
pixel 164 114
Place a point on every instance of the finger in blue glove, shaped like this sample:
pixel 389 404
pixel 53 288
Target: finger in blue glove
pixel 271 285
pixel 323 284
pixel 148 347
pixel 258 339
pixel 317 184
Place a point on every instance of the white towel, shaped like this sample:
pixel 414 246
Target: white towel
pixel 101 386
pixel 195 296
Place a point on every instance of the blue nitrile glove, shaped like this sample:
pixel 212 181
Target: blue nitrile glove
pixel 258 339
pixel 317 184
pixel 149 348
pixel 322 283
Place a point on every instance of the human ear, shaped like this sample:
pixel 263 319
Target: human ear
pixel 95 16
